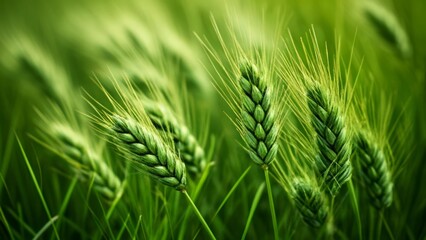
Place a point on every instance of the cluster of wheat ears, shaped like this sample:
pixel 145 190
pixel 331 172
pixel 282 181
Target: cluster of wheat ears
pixel 297 112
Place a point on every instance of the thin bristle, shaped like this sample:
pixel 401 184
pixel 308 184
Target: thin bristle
pixel 149 152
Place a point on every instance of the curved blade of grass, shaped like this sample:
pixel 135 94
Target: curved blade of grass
pixel 23 225
pixel 168 217
pixel 225 200
pixel 67 199
pixel 206 172
pixel 231 191
pixel 252 209
pixel 388 229
pixel 123 227
pixel 46 208
pixel 116 201
pixel 107 229
pixel 197 212
pixel 6 224
pixel 7 151
pixel 137 229
pixel 199 186
pixel 45 227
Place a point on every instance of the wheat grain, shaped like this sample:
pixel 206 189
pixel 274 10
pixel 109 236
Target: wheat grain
pixel 374 171
pixel 259 128
pixel 149 152
pixel 334 147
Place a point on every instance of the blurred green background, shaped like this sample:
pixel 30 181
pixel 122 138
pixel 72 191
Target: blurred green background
pixel 50 51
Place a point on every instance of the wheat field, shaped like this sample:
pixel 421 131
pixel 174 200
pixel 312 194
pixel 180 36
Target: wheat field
pixel 190 119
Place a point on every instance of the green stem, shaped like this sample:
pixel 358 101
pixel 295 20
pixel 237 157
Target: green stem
pixel 231 192
pixel 203 222
pixel 271 203
pixel 356 208
pixel 387 227
pixel 330 224
pixel 379 227
pixel 253 209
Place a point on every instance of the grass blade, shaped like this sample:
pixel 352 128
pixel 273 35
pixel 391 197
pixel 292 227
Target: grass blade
pixel 252 209
pixel 46 208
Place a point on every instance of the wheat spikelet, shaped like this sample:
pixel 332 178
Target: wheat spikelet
pixel 186 144
pixel 150 153
pixel 310 203
pixel 388 27
pixel 334 148
pixel 25 58
pixel 374 171
pixel 74 146
pixel 259 128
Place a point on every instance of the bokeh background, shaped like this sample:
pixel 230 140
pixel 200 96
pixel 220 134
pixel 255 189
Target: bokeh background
pixel 51 52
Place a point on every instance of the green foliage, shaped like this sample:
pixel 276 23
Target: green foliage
pixel 107 106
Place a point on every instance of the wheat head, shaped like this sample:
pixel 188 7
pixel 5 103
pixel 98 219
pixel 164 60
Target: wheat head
pixel 387 26
pixel 149 152
pixel 74 146
pixel 374 171
pixel 186 145
pixel 310 203
pixel 334 146
pixel 259 128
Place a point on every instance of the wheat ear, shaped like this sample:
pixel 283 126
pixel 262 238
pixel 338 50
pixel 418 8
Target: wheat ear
pixel 374 171
pixel 147 149
pixel 259 128
pixel 310 203
pixel 387 26
pixel 334 148
pixel 74 146
pixel 186 144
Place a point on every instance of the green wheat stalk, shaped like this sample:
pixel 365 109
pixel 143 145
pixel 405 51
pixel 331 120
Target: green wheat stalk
pixel 140 142
pixel 147 150
pixel 259 126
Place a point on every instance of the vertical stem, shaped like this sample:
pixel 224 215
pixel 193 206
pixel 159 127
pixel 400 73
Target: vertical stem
pixel 388 229
pixel 200 217
pixel 372 224
pixel 379 227
pixel 330 223
pixel 356 208
pixel 271 203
